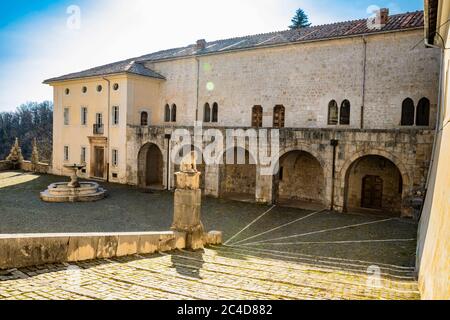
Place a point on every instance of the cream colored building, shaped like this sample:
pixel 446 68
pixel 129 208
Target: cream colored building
pixel 433 259
pixel 356 107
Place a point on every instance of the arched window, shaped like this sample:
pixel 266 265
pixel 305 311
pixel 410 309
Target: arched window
pixel 345 113
pixel 167 113
pixel 423 112
pixel 279 113
pixel 207 113
pixel 257 117
pixel 215 112
pixel 407 112
pixel 333 113
pixel 144 118
pixel 174 113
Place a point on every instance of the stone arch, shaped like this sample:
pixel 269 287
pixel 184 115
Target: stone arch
pixel 238 180
pixel 393 167
pixel 151 166
pixel 294 186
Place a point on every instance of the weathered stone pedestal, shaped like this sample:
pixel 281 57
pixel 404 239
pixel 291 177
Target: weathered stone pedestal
pixel 187 209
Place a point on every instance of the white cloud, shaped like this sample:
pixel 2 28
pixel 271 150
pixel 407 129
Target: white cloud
pixel 112 30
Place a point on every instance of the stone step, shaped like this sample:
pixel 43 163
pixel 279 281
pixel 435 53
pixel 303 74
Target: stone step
pixel 390 271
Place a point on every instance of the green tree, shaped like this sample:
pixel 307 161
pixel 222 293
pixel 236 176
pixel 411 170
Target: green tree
pixel 300 20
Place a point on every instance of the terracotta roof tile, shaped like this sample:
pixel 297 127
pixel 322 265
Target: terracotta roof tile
pixel 399 22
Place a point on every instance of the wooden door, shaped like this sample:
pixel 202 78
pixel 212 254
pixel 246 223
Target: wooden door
pixel 99 165
pixel 154 167
pixel 372 192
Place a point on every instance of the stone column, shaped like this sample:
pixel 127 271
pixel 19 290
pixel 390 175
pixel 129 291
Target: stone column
pixel 187 209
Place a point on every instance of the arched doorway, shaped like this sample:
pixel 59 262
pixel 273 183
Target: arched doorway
pixel 201 166
pixel 238 179
pixel 151 167
pixel 300 181
pixel 374 183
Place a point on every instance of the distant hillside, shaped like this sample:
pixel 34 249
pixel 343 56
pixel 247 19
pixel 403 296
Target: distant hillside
pixel 29 121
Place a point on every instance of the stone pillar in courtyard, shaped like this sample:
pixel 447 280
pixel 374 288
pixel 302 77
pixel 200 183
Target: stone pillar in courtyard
pixel 187 208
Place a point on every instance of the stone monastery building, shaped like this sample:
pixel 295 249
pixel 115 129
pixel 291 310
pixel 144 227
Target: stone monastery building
pixel 355 105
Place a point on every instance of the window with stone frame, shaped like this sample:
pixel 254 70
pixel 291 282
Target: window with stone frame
pixel 344 118
pixel 207 113
pixel 407 112
pixel 84 116
pixel 144 118
pixel 215 113
pixel 167 113
pixel 279 114
pixel 333 113
pixel 423 113
pixel 174 113
pixel 257 117
pixel 66 153
pixel 83 155
pixel 115 157
pixel 115 115
pixel 66 116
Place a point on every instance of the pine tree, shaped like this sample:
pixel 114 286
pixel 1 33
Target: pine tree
pixel 300 20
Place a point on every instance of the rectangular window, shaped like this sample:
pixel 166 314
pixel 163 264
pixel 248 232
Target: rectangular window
pixel 115 157
pixel 83 155
pixel 66 153
pixel 83 116
pixel 99 119
pixel 66 116
pixel 115 116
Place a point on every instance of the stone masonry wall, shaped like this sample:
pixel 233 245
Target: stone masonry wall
pixel 408 149
pixel 304 78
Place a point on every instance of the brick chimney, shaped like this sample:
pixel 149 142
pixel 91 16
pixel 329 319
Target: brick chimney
pixel 201 44
pixel 383 16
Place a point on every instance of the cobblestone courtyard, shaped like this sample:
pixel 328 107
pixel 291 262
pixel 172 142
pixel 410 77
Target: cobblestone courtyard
pixel 271 253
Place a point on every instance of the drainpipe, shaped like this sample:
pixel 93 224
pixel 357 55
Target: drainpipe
pixel 334 143
pixel 363 93
pixel 108 136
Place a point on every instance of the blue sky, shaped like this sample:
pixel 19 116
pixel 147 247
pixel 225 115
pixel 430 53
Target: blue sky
pixel 36 42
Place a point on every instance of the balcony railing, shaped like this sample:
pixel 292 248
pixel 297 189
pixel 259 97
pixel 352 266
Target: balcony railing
pixel 99 129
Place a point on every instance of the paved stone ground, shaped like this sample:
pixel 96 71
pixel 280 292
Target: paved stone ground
pixel 308 255
pixel 216 273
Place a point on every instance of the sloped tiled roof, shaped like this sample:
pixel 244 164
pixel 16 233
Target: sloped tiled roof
pixel 399 22
pixel 127 66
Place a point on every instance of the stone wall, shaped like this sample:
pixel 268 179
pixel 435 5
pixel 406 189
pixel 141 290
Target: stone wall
pixel 302 178
pixel 17 251
pixel 304 78
pixel 5 165
pixel 408 149
pixel 36 168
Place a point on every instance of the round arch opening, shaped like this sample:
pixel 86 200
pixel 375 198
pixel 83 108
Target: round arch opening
pixel 300 181
pixel 374 183
pixel 151 167
pixel 238 179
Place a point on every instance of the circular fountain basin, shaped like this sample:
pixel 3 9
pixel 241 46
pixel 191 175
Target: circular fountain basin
pixel 61 192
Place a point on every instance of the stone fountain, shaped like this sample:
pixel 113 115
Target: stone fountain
pixel 74 191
